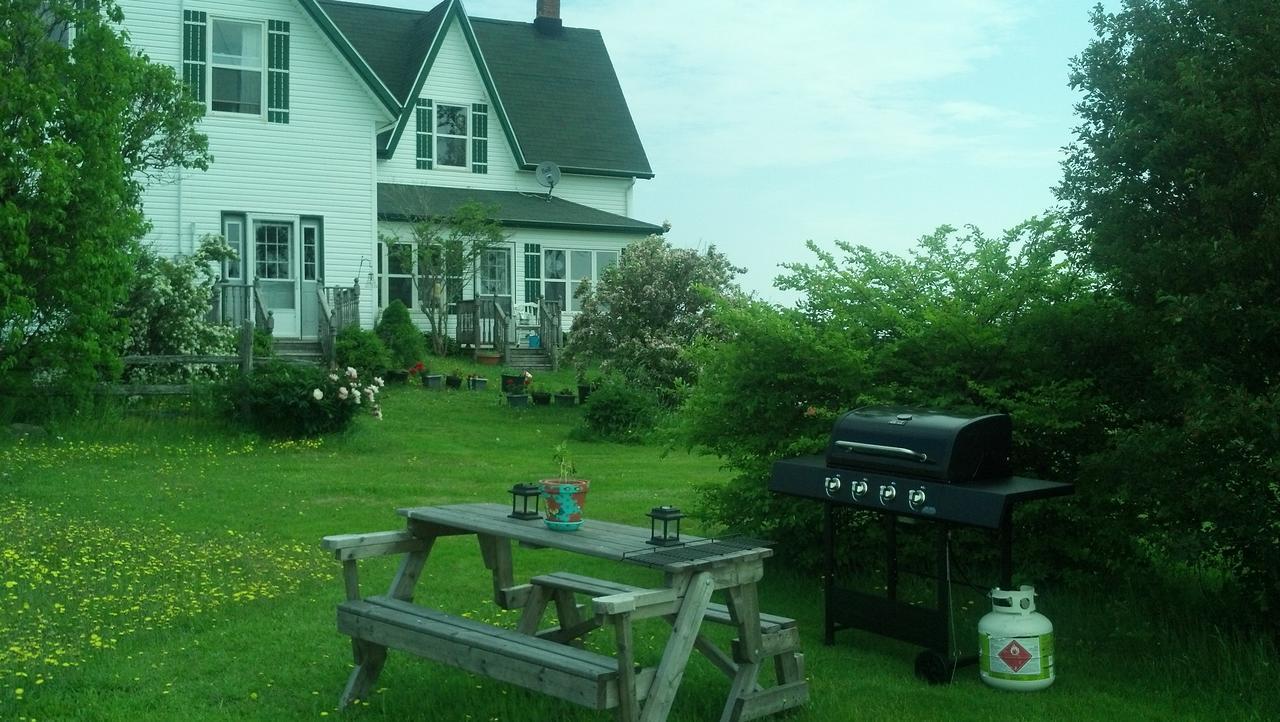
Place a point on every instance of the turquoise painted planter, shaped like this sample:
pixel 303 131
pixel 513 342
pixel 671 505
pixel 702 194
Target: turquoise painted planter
pixel 564 499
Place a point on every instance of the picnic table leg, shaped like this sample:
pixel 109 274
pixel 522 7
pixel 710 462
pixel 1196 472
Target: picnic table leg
pixel 369 661
pixel 676 655
pixel 628 706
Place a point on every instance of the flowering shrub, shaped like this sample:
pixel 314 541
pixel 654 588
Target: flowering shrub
pixel 298 400
pixel 647 309
pixel 167 309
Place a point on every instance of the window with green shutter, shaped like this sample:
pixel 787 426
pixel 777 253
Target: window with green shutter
pixel 424 121
pixel 277 71
pixel 194 30
pixel 479 138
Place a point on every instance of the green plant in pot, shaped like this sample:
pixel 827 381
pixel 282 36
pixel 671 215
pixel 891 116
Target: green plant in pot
pixel 564 496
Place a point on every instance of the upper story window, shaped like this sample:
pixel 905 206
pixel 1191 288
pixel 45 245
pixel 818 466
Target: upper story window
pixel 236 66
pixel 452 135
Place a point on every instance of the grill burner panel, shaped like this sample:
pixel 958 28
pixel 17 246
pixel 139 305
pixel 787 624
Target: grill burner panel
pixel 980 503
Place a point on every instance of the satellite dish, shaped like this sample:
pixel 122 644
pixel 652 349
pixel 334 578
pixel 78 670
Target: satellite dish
pixel 548 175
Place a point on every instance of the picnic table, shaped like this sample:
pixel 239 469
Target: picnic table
pixel 552 660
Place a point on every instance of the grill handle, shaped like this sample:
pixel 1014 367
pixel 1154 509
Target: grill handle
pixel 899 452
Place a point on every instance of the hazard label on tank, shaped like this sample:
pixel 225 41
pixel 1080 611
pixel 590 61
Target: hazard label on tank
pixel 1014 655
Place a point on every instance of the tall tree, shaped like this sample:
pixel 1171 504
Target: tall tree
pixel 1175 175
pixel 1174 181
pixel 84 122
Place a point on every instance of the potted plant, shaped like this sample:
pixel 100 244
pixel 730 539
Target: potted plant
pixel 518 400
pixel 476 382
pixel 586 385
pixel 565 397
pixel 454 379
pixel 513 381
pixel 564 496
pixel 488 358
pixel 541 396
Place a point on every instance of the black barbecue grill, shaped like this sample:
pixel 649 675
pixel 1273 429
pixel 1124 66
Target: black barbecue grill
pixel 945 467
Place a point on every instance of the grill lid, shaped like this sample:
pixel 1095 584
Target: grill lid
pixel 924 443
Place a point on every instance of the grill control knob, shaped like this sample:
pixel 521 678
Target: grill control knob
pixel 832 483
pixel 859 488
pixel 915 498
pixel 887 493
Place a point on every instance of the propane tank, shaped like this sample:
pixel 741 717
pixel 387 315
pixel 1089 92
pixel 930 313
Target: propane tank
pixel 1015 643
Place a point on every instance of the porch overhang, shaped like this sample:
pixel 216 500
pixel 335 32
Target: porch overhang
pixel 515 209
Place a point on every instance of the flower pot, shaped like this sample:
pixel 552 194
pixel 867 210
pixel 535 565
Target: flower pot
pixel 488 359
pixel 517 400
pixel 477 384
pixel 398 376
pixel 564 499
pixel 453 382
pixel 541 398
pixel 565 399
pixel 512 383
pixel 432 381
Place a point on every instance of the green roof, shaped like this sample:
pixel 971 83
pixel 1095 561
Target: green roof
pixel 393 41
pixel 398 202
pixel 557 96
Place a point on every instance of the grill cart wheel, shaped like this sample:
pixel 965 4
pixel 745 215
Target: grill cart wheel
pixel 933 668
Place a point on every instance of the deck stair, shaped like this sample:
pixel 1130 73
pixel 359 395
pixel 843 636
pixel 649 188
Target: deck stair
pixel 528 359
pixel 299 350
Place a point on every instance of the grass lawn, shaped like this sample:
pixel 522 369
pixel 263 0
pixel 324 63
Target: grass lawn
pixel 163 567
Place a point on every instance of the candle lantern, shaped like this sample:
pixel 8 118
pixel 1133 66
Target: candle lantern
pixel 520 496
pixel 669 534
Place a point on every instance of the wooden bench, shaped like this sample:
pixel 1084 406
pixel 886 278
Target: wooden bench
pixel 576 675
pixel 561 584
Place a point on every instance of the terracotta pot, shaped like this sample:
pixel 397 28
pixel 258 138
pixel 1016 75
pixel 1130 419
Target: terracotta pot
pixel 564 499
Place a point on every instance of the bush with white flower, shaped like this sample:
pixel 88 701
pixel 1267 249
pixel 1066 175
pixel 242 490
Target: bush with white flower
pixel 293 400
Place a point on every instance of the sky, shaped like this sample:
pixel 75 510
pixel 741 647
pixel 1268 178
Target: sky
pixel 873 122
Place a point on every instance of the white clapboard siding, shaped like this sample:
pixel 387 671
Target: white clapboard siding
pixel 454 78
pixel 321 163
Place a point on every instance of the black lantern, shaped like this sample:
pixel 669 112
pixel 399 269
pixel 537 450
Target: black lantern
pixel 668 536
pixel 520 496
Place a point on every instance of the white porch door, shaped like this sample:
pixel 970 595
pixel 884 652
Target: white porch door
pixel 276 265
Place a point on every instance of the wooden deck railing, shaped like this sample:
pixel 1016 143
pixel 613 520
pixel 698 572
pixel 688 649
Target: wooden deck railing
pixel 549 331
pixel 482 324
pixel 339 308
pixel 234 303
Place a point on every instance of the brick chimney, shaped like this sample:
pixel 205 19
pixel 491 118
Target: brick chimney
pixel 548 20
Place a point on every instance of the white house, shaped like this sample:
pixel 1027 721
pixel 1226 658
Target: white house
pixel 332 123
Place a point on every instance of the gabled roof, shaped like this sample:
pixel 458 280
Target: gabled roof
pixel 397 202
pixel 348 52
pixel 393 41
pixel 557 97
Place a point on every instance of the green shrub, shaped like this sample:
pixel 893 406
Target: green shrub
pixel 619 411
pixel 299 400
pixel 404 342
pixel 361 349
